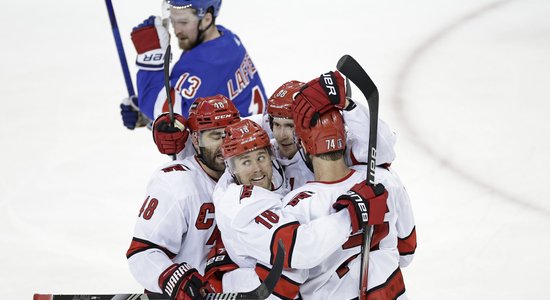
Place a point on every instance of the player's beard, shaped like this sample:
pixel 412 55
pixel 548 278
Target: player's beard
pixel 210 159
pixel 187 44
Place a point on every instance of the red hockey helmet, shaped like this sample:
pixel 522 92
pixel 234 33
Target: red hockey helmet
pixel 327 135
pixel 211 113
pixel 242 137
pixel 279 105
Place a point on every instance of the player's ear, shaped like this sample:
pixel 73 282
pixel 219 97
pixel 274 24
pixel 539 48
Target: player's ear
pixel 195 140
pixel 206 21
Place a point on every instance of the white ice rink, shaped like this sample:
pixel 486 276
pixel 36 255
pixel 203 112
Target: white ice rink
pixel 463 83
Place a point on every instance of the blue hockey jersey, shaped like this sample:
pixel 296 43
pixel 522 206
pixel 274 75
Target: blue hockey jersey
pixel 219 66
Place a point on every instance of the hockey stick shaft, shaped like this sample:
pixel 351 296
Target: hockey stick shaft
pixel 167 87
pixel 120 49
pixel 353 70
pixel 261 292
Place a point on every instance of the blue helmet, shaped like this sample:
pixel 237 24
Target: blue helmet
pixel 200 5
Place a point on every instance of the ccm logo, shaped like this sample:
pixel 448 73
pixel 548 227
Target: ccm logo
pixel 329 84
pixel 222 116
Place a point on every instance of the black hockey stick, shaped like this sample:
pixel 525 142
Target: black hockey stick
pixel 352 70
pixel 261 292
pixel 167 87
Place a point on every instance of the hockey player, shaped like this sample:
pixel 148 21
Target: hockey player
pixel 214 62
pixel 175 228
pixel 286 150
pixel 290 155
pixel 251 218
pixel 324 142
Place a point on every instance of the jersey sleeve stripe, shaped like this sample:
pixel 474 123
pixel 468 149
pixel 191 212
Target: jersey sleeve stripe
pixel 139 245
pixel 287 233
pixel 407 245
pixel 285 288
pixel 389 290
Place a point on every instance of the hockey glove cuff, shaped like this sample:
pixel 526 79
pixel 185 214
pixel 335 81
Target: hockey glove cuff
pixel 318 96
pixel 183 282
pixel 170 139
pixel 366 205
pixel 150 39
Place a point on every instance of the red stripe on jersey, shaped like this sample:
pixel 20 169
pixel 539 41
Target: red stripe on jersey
pixel 343 268
pixel 379 233
pixel 285 288
pixel 389 290
pixel 353 241
pixel 165 107
pixel 139 245
pixel 286 233
pixel 407 245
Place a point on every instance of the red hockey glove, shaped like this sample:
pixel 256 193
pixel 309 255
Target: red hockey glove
pixel 183 282
pixel 218 263
pixel 366 205
pixel 318 96
pixel 170 139
pixel 150 39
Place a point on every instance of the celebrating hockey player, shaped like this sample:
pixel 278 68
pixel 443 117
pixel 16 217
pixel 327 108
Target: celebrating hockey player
pixel 320 129
pixel 251 218
pixel 286 150
pixel 214 61
pixel 175 228
pixel 297 166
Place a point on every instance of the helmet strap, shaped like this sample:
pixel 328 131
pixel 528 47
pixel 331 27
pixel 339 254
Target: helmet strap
pixel 201 33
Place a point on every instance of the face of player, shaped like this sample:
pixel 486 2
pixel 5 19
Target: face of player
pixel 254 168
pixel 185 23
pixel 209 143
pixel 283 131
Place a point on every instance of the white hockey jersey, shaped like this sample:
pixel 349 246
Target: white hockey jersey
pixel 338 276
pixel 175 224
pixel 252 219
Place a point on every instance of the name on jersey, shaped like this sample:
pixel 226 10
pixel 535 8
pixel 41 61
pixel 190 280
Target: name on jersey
pixel 242 77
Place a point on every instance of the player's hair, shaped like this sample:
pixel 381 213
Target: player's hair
pixel 331 156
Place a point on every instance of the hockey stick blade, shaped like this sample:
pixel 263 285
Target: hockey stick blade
pixel 261 292
pixel 348 66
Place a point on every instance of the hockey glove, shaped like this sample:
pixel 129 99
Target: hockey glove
pixel 170 139
pixel 183 282
pixel 318 96
pixel 366 205
pixel 131 116
pixel 150 39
